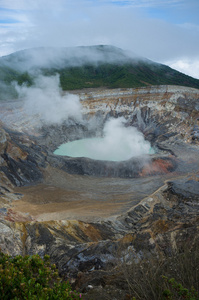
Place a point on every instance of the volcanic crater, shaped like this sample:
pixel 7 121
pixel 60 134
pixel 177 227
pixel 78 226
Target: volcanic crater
pixel 161 113
pixel 43 193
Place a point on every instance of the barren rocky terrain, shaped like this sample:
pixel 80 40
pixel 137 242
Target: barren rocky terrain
pixel 81 211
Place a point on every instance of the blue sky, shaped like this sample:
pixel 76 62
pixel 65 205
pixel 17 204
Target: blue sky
pixel 166 31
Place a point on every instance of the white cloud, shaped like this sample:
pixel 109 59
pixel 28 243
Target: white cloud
pixel 87 22
pixel 149 3
pixel 20 4
pixel 186 66
pixel 190 26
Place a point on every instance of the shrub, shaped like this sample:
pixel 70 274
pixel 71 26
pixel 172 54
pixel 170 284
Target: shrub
pixel 177 291
pixel 31 277
pixel 172 277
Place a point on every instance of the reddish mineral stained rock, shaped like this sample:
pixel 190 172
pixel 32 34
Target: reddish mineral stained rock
pixel 157 166
pixel 13 216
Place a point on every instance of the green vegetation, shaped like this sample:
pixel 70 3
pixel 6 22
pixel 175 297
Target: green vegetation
pixel 177 291
pixel 8 75
pixel 108 76
pixel 129 75
pixel 31 278
pixel 121 72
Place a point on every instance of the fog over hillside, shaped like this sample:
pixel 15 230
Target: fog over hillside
pixel 66 57
pixel 85 67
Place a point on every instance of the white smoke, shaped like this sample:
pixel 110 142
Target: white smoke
pixel 46 101
pixel 124 141
pixel 118 143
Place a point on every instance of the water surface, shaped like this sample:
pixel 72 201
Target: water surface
pixel 103 149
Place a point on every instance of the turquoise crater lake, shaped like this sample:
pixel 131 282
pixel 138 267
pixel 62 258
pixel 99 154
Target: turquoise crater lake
pixel 105 149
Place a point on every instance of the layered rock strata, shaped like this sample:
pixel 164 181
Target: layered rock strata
pixel 90 220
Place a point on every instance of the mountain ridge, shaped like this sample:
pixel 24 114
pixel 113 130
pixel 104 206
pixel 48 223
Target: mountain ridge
pixel 87 67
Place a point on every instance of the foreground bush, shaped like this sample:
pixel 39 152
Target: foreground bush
pixel 30 277
pixel 176 290
pixel 173 277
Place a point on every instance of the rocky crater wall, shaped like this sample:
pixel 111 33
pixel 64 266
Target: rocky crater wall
pixel 149 108
pixel 159 112
pixel 155 214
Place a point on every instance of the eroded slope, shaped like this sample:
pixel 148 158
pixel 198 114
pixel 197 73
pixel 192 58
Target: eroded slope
pixel 87 218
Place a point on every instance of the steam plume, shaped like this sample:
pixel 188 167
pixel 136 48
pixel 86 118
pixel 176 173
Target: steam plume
pixel 45 99
pixel 124 141
pixel 119 143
